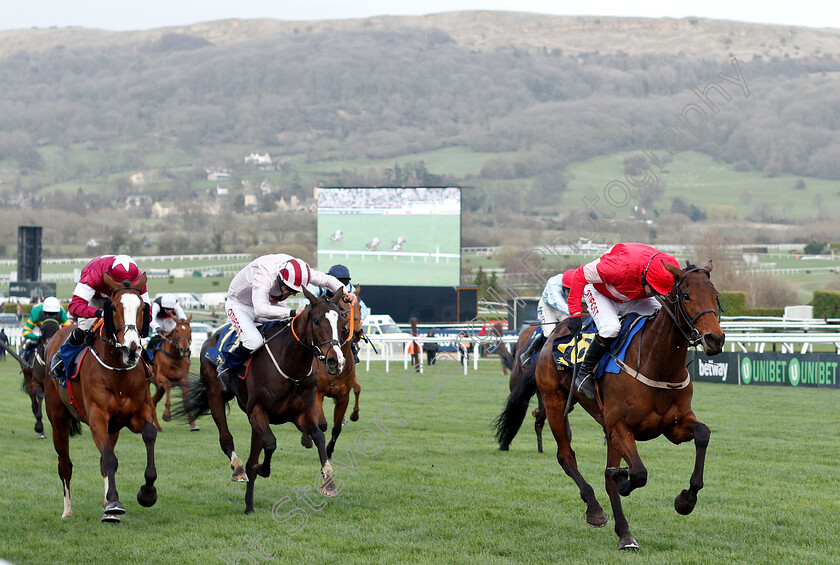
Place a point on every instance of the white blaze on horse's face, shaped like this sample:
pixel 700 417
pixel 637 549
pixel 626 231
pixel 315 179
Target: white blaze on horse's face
pixel 332 317
pixel 131 304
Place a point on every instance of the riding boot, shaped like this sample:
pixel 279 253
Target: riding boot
pixel 231 360
pixel 535 345
pixel 56 366
pixel 585 382
pixel 77 337
pixel 355 353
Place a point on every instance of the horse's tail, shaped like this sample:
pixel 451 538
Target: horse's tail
pixel 75 427
pixel 506 357
pixel 196 404
pixel 507 424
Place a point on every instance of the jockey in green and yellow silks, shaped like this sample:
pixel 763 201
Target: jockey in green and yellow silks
pixel 49 309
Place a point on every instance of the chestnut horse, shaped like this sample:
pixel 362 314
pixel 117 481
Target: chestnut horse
pixel 34 375
pixel 111 393
pixel 280 387
pixel 338 387
pixel 650 397
pixel 517 371
pixel 171 366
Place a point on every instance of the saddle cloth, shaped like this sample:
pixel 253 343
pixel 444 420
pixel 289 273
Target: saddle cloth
pixel 229 339
pixel 566 356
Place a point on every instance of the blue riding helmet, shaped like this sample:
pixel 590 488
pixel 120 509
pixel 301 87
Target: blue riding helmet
pixel 339 272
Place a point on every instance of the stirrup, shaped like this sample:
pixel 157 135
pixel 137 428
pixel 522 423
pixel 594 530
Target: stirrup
pixel 586 387
pixel 56 366
pixel 223 374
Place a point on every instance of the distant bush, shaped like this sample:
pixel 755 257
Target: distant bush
pixel 826 304
pixel 815 248
pixel 799 185
pixel 733 303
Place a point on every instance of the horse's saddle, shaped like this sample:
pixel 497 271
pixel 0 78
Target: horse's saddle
pixel 229 339
pixel 566 356
pixel 72 356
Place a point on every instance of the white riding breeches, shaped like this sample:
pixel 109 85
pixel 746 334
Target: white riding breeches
pixel 243 319
pixel 606 312
pixel 549 317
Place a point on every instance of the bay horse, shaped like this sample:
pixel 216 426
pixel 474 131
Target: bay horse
pixel 34 374
pixel 280 387
pixel 111 393
pixel 650 397
pixel 517 372
pixel 171 366
pixel 338 387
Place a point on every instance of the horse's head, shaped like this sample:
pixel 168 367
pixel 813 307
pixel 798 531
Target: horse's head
pixel 325 328
pixel 181 336
pixel 49 328
pixel 697 304
pixel 124 317
pixel 352 318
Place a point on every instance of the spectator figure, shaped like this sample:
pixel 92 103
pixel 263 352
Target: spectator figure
pixel 4 340
pixel 431 349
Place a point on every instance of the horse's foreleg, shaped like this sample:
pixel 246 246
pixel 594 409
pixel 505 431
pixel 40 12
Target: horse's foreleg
pixel 260 432
pixel 555 406
pixel 357 390
pixel 167 415
pixel 328 486
pixel 36 411
pixel 147 495
pixel 108 463
pixel 341 404
pixel 691 428
pixel 614 476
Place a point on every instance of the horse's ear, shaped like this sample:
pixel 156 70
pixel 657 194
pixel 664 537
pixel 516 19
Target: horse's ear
pixel 339 296
pixel 110 282
pixel 708 267
pixel 676 271
pixel 358 289
pixel 309 296
pixel 141 282
pixel 189 318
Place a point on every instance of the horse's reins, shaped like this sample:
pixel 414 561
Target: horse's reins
pixel 181 354
pixel 113 341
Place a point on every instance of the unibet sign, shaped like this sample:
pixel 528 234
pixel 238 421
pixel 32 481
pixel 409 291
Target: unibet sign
pixel 784 370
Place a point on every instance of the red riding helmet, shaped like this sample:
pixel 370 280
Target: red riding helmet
pixel 124 269
pixel 295 274
pixel 657 276
pixel 567 278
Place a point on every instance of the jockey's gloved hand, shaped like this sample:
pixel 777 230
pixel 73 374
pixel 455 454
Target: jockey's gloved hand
pixel 98 313
pixel 575 325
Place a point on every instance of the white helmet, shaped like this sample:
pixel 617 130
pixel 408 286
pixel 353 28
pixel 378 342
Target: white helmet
pixel 168 301
pixel 51 305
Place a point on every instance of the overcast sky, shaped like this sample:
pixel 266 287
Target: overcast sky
pixel 147 14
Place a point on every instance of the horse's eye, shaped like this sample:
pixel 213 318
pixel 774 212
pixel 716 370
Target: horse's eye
pixel 686 296
pixel 317 322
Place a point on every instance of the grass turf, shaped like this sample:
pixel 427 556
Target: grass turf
pixel 438 491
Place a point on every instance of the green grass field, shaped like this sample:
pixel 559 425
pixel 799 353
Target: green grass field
pixel 438 491
pixel 423 234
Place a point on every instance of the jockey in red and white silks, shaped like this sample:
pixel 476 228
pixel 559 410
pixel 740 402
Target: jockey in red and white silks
pixel 91 292
pixel 613 285
pixel 257 293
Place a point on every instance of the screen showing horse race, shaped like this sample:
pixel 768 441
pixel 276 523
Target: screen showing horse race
pixel 392 236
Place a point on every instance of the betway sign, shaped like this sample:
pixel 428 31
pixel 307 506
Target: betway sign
pixel 712 369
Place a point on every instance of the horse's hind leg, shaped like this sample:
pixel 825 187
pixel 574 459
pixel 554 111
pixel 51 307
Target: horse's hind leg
pixel 36 411
pixel 217 409
pixel 539 422
pixel 691 428
pixel 341 404
pixel 555 405
pixel 357 390
pixel 167 414
pixel 61 421
pixel 184 384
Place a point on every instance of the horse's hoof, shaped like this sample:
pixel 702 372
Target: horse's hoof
pixel 167 417
pixel 354 417
pixel 684 502
pixel 111 518
pixel 328 491
pixel 114 508
pixel 42 436
pixel 240 477
pixel 344 422
pixel 306 441
pixel 68 514
pixel 147 496
pixel 194 428
pixel 628 542
pixel 504 448
pixel 263 471
pixel 159 429
pixel 597 519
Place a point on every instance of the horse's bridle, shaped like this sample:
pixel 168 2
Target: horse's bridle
pixel 112 340
pixel 183 352
pixel 693 334
pixel 316 348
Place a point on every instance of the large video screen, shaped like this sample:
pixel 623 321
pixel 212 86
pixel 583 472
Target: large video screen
pixel 392 236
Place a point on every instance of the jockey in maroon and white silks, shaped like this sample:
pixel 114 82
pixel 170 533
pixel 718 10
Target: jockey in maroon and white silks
pixel 91 292
pixel 257 293
pixel 613 285
pixel 623 280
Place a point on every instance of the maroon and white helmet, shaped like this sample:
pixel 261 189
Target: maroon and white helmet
pixel 295 274
pixel 124 269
